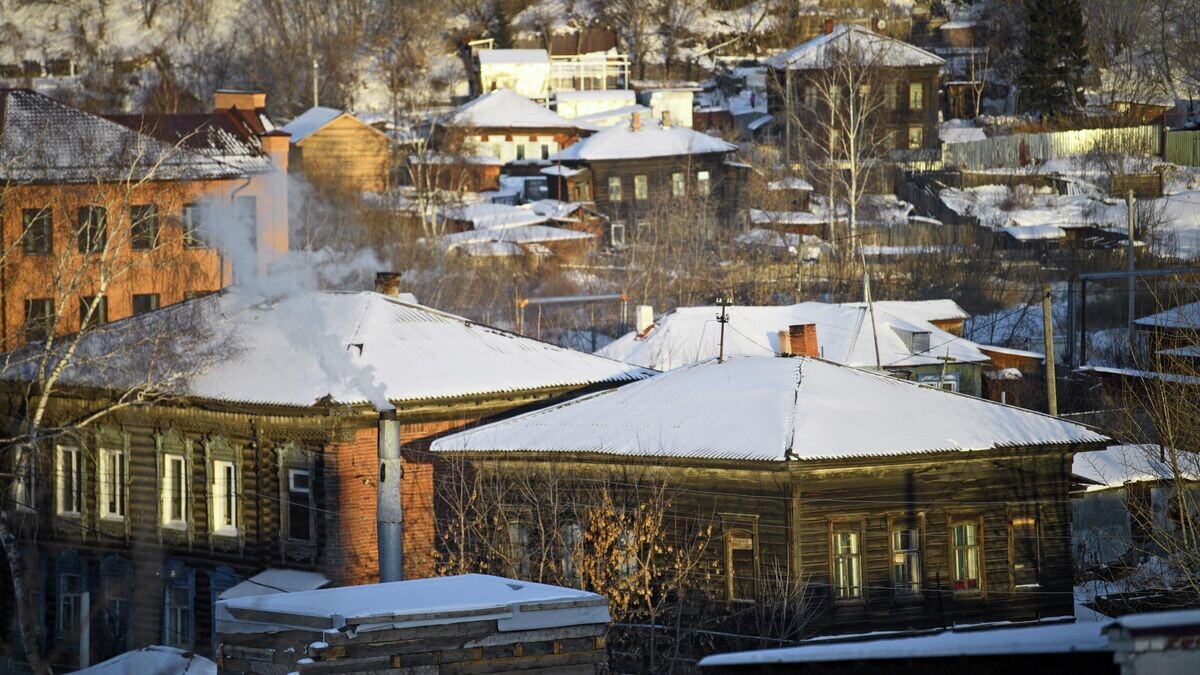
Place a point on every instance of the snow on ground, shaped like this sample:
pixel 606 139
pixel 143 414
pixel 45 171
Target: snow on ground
pixel 997 206
pixel 154 660
pixel 1182 211
pixel 960 131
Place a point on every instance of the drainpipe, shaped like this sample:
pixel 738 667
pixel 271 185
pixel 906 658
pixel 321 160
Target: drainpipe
pixel 389 513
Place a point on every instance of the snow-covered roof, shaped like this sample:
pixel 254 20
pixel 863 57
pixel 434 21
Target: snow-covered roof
pixel 875 49
pixel 1184 316
pixel 272 581
pixel 690 334
pixel 770 409
pixel 1012 352
pixel 490 215
pixel 1057 638
pixel 766 217
pixel 1121 464
pixel 513 605
pixel 154 660
pixel 1034 232
pixel 1150 622
pixel 506 109
pixel 608 118
pixel 345 347
pixel 790 183
pixel 505 56
pixel 943 309
pixel 949 133
pixel 597 95
pixel 43 140
pixel 530 234
pixel 620 141
pixel 311 121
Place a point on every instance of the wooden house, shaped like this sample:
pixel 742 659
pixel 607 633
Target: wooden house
pixel 471 623
pixel 632 168
pixel 868 502
pixel 1173 335
pixel 141 185
pixel 335 150
pixel 907 74
pixel 260 452
pixel 910 345
pixel 1015 376
pixel 508 127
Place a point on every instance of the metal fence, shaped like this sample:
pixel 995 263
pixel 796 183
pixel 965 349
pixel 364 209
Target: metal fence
pixel 1017 150
pixel 1183 147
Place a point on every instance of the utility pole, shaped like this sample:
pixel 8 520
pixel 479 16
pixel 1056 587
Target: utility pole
pixel 870 304
pixel 787 127
pixel 316 68
pixel 1129 266
pixel 723 318
pixel 1048 335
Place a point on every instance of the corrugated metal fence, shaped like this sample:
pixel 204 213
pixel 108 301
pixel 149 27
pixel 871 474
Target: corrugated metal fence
pixel 1183 147
pixel 1017 150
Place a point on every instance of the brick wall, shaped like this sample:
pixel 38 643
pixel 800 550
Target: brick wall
pixel 351 471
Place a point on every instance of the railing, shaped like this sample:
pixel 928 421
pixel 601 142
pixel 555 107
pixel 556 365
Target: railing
pixel 589 72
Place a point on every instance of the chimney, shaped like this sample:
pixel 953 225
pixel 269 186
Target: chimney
pixel 389 512
pixel 272 235
pixel 666 119
pixel 802 340
pixel 828 26
pixel 635 124
pixel 276 144
pixel 224 99
pixel 644 317
pixel 784 340
pixel 388 283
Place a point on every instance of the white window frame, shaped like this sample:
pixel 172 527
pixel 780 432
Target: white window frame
pixel 846 556
pixel 110 483
pixel 224 498
pixel 69 502
pixel 615 181
pixel 641 187
pixel 678 184
pixel 174 475
pixel 917 88
pixel 292 489
pixel 704 183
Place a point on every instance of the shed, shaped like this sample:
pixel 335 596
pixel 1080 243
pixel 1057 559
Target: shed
pixel 466 623
pixel 334 149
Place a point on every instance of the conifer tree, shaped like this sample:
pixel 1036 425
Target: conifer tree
pixel 502 28
pixel 1055 56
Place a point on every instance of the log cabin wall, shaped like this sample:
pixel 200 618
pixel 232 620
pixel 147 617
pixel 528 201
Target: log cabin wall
pixel 725 192
pixel 346 156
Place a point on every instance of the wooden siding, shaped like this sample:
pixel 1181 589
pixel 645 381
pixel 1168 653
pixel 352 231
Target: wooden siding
pixel 345 155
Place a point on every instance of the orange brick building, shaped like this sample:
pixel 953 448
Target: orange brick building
pixel 105 218
pixel 267 460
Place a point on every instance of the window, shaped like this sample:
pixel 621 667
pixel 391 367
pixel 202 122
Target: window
pixel 741 558
pixel 1026 551
pixel 545 151
pixel 906 561
pixel 116 583
pixel 99 313
pixel 614 189
pixel 193 222
pixel 616 234
pixel 70 604
pixel 300 505
pixel 70 481
pixel 847 565
pixel 810 97
pixel 24 484
pixel 39 230
pixel 964 542
pixel 518 548
pixel 178 594
pixel 144 302
pixel 520 151
pixel 112 483
pixel 143 226
pixel 916 137
pixel 641 188
pixel 39 319
pixel 678 185
pixel 916 96
pixel 224 498
pixel 572 540
pixel 174 491
pixel 703 184
pixel 93 228
pixel 889 97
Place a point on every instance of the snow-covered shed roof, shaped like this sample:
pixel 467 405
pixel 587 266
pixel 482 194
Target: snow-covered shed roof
pixel 154 660
pixel 513 605
pixel 608 118
pixel 690 334
pixel 1183 316
pixel 770 409
pixel 311 121
pixel 942 309
pixel 530 234
pixel 876 49
pixel 498 56
pixel 43 140
pixel 1034 232
pixel 506 109
pixel 274 580
pixel 620 141
pixel 790 183
pixel 1121 464
pixel 490 215
pixel 343 347
pixel 1056 638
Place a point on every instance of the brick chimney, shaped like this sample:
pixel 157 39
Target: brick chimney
pixel 273 200
pixel 802 340
pixel 635 124
pixel 276 144
pixel 828 26
pixel 224 99
pixel 388 283
pixel 666 119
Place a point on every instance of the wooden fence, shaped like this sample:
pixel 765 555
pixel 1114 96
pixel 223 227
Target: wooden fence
pixel 1183 147
pixel 1018 150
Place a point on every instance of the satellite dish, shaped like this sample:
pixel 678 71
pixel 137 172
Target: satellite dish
pixel 880 24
